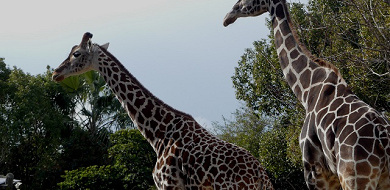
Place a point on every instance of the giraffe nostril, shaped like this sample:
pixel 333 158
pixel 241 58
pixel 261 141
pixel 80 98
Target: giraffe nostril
pixel 57 77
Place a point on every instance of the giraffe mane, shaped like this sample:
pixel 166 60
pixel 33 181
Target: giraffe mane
pixel 319 61
pixel 145 90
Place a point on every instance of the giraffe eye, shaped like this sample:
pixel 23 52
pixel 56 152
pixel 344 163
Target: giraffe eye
pixel 76 54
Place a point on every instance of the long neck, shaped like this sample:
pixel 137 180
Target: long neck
pixel 304 73
pixel 153 118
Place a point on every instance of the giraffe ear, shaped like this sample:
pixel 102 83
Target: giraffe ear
pixel 105 46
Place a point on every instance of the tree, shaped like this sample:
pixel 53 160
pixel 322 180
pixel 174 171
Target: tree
pixel 354 36
pixel 97 113
pixel 132 166
pixel 275 145
pixel 41 136
pixel 32 136
pixel 134 156
pixel 81 149
pixel 4 75
pixel 259 81
pixel 284 171
pixel 245 130
pixel 98 109
pixel 92 177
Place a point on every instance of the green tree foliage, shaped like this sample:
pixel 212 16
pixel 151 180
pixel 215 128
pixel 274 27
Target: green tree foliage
pixel 97 114
pixel 81 149
pixel 283 171
pixel 245 130
pixel 352 35
pixel 4 75
pixel 47 128
pixel 133 162
pixel 260 65
pixel 31 137
pixel 136 158
pixel 98 107
pixel 93 177
pixel 266 138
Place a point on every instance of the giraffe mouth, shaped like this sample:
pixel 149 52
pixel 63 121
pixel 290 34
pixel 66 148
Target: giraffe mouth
pixel 229 19
pixel 57 77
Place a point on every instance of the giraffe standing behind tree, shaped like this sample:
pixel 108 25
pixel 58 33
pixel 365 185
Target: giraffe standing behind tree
pixel 188 156
pixel 344 141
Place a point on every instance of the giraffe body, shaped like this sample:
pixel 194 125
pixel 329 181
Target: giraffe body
pixel 344 141
pixel 188 156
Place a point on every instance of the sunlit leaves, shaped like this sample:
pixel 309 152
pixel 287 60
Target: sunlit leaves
pixel 71 84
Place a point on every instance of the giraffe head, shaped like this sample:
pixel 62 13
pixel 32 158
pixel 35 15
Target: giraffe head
pixel 246 8
pixel 80 59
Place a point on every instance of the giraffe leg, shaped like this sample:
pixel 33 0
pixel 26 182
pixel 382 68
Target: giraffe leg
pixel 384 180
pixel 318 177
pixel 316 171
pixel 166 175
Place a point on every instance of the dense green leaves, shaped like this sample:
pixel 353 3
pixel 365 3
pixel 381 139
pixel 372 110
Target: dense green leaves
pixel 274 144
pixel 284 172
pixel 354 36
pixel 259 81
pixel 135 157
pixel 133 162
pixel 47 127
pixel 31 137
pixel 245 130
pixel 92 177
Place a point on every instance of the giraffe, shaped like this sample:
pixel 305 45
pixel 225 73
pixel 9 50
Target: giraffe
pixel 188 156
pixel 344 141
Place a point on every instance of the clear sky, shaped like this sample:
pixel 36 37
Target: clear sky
pixel 178 49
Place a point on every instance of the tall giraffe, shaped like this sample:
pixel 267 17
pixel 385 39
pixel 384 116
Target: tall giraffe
pixel 188 156
pixel 344 141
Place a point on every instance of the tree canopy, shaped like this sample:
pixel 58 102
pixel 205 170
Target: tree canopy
pixel 132 166
pixel 47 128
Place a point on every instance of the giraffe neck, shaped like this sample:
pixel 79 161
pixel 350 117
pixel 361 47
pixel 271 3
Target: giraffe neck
pixel 301 70
pixel 153 118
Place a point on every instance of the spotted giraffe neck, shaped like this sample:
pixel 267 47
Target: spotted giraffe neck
pixel 300 68
pixel 153 117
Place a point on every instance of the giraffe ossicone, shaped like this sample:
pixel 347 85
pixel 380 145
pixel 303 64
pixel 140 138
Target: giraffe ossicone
pixel 344 141
pixel 188 156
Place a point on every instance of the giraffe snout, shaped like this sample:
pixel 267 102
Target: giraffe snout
pixel 229 19
pixel 57 77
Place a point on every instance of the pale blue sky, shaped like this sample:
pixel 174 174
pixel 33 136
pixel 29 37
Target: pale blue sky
pixel 178 49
